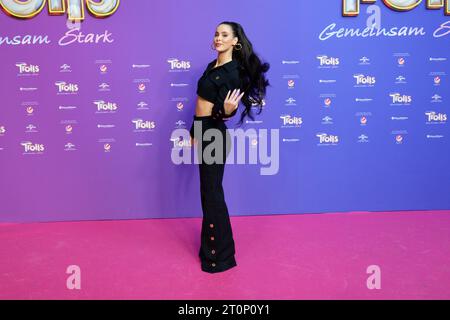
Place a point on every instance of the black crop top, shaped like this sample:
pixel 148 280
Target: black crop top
pixel 215 83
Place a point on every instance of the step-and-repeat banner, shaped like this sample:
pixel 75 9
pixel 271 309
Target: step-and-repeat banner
pixel 94 95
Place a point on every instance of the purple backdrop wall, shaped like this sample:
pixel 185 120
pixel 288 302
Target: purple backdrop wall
pixel 96 163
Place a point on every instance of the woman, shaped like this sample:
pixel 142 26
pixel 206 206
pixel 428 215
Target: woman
pixel 237 74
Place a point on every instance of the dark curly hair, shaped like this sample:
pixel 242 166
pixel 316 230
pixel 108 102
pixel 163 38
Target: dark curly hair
pixel 252 73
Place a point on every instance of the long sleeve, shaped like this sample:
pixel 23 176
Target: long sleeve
pixel 218 110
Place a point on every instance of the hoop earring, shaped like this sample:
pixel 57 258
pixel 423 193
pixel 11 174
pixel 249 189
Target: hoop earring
pixel 213 47
pixel 240 46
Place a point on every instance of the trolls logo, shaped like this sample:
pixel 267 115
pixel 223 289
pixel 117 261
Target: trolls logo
pixel 64 87
pixel 75 8
pixel 179 64
pixel 350 8
pixel 27 68
pixel 29 147
pixel 363 80
pixel 328 61
pixel 103 106
pixel 143 125
pixel 327 138
pixel 434 117
pixel 290 120
pixel 397 98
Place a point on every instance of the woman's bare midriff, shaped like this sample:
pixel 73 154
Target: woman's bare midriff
pixel 203 107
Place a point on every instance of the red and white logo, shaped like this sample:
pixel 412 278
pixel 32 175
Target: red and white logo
pixel 69 128
pixel 291 83
pixel 363 120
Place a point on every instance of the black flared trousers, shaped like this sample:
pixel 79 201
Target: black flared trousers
pixel 217 248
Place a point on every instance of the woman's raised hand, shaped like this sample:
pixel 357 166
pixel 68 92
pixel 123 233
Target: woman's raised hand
pixel 231 101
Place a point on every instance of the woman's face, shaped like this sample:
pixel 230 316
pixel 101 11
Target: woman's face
pixel 224 39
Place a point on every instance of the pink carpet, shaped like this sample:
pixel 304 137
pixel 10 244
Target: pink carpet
pixel 314 256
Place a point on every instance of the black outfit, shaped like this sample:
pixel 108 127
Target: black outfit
pixel 217 248
pixel 215 83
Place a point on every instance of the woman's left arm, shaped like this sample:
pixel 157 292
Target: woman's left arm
pixel 226 103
